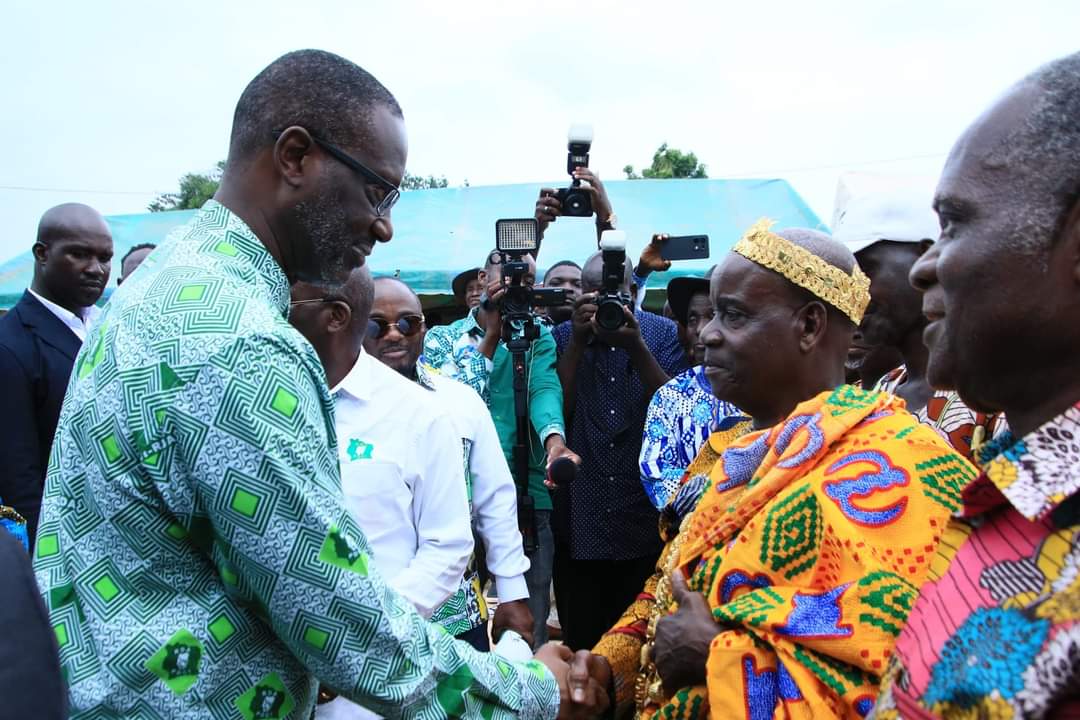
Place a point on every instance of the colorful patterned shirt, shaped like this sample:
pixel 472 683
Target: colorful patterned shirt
pixel 809 543
pixel 681 416
pixel 453 350
pixel 995 631
pixel 195 553
pixel 946 413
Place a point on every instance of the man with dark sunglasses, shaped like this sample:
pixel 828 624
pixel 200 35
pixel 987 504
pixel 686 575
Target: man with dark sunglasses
pixel 471 350
pixel 395 334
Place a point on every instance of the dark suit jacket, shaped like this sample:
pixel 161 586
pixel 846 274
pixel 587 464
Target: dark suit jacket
pixel 30 682
pixel 37 351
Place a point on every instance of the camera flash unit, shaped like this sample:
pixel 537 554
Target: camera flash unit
pixel 613 240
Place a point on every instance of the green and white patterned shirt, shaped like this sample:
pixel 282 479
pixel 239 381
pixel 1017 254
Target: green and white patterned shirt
pixel 194 551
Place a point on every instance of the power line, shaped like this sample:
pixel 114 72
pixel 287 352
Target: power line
pixel 745 173
pixel 838 166
pixel 25 188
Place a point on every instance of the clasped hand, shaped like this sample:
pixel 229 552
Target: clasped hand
pixel 583 678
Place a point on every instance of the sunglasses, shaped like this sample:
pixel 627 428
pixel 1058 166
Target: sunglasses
pixel 407 325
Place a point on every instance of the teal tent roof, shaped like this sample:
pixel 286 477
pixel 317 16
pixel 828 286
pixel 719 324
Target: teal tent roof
pixel 438 233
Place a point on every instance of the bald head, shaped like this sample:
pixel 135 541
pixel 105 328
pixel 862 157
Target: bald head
pixel 592 274
pixel 72 256
pixel 395 291
pixel 72 220
pixel 359 292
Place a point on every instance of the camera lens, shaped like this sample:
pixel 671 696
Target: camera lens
pixel 609 314
pixel 575 203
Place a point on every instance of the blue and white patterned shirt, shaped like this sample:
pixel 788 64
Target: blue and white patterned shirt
pixel 681 416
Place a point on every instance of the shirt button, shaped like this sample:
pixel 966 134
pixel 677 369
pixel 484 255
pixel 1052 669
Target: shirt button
pixel 613 378
pixel 611 478
pixel 612 412
pixel 611 445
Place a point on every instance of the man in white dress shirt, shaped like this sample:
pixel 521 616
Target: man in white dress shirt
pixel 396 339
pixel 401 466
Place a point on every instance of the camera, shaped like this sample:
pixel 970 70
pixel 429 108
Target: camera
pixel 575 201
pixel 514 239
pixel 611 299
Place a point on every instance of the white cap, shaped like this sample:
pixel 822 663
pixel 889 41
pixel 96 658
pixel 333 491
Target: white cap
pixel 896 214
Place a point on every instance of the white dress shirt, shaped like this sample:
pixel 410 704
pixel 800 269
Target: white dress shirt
pixel 494 494
pixel 79 324
pixel 403 480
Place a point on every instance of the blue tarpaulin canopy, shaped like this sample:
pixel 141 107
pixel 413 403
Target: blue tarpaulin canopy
pixel 439 233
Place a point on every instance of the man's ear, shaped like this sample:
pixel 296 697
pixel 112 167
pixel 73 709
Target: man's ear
pixel 340 317
pixel 41 252
pixel 1069 241
pixel 812 323
pixel 292 155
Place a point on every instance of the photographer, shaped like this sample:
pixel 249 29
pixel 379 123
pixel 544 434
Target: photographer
pixel 608 377
pixel 549 209
pixel 472 350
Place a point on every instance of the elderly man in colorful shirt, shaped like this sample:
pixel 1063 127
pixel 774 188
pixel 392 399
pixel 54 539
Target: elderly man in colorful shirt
pixel 996 630
pixel 794 565
pixel 888 231
pixel 195 552
pixel 683 412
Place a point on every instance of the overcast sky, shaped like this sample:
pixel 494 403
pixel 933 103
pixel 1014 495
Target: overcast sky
pixel 110 102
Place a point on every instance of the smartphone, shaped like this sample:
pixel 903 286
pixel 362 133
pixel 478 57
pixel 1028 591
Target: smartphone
pixel 685 247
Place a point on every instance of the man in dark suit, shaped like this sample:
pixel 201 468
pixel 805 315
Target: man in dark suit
pixel 39 339
pixel 30 682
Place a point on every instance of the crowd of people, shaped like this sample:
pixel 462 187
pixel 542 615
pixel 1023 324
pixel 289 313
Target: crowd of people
pixel 837 476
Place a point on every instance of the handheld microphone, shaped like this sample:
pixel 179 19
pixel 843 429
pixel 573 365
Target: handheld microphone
pixel 562 472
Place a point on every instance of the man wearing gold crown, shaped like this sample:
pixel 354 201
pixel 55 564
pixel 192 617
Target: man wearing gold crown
pixel 799 540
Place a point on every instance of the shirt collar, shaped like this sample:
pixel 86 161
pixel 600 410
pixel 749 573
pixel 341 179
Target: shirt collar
pixel 470 325
pixel 229 236
pixel 77 322
pixel 357 382
pixel 1036 473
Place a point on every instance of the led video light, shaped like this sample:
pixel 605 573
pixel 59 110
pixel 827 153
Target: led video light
pixel 516 235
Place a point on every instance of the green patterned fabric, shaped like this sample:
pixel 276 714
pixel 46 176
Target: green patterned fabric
pixel 194 552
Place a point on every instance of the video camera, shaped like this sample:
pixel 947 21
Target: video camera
pixel 611 300
pixel 514 239
pixel 575 201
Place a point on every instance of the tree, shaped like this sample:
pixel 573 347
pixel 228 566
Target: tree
pixel 195 190
pixel 668 163
pixel 419 182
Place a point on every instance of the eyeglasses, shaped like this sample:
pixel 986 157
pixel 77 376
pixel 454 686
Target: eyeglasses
pixel 294 303
pixel 407 325
pixel 391 192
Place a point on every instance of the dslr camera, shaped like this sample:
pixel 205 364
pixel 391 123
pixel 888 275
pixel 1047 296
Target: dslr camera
pixel 575 201
pixel 514 239
pixel 611 299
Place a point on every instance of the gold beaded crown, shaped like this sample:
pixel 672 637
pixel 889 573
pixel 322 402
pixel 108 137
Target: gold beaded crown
pixel 850 294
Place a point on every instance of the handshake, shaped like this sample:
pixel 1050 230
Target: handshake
pixel 584 680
